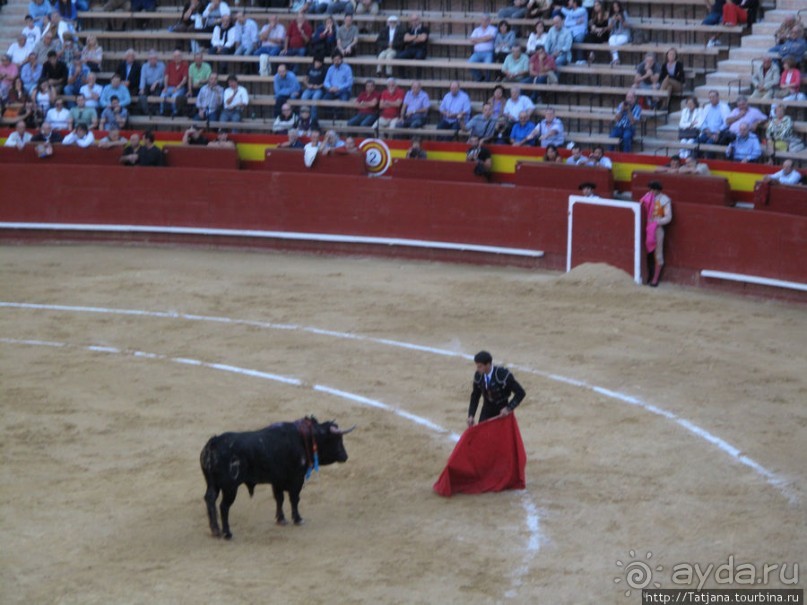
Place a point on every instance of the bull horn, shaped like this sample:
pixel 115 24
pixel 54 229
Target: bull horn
pixel 337 431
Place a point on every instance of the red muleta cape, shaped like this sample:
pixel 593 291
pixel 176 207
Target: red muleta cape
pixel 489 457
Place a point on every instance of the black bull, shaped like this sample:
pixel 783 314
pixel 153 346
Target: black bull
pixel 279 454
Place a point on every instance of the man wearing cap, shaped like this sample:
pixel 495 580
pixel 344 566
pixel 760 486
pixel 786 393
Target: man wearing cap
pixel 494 385
pixel 657 209
pixel 390 42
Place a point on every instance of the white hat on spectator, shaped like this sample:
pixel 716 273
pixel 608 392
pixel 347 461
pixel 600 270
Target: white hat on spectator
pixel 392 18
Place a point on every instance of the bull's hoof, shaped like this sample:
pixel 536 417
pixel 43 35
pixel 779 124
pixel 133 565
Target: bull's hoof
pixel 228 536
pixel 216 533
pixel 299 521
pixel 281 522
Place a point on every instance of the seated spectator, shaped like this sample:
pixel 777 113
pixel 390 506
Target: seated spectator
pixel 130 151
pixel 627 118
pixel 55 72
pixel 516 67
pixel 129 72
pixel 503 42
pixel 224 39
pixel 648 73
pixel 779 131
pixel 286 87
pixel 113 138
pixel 577 158
pixel 92 91
pixel 8 73
pixel 152 79
pixel 367 7
pixel 367 106
pixel 715 15
pixel 521 130
pixel 693 166
pixel 16 99
pixel 287 120
pixel 18 52
pixel 517 10
pixel 559 42
pixel 271 42
pixel 39 11
pixel 332 7
pixel 597 158
pixel 247 34
pixel 61 28
pixel 501 132
pixel 45 139
pixel 350 146
pixel 293 142
pixel 575 21
pixel 92 55
pixel 791 22
pixel 314 83
pixel 619 26
pixel 764 78
pixel 790 81
pixel 674 165
pixel 58 115
pixel 19 138
pixel 114 115
pixel 48 42
pixel 740 12
pixel 116 89
pixel 81 114
pixel 191 10
pixel 347 36
pixel 482 37
pixel 31 31
pixel 542 71
pixel 209 100
pixel 222 140
pixel 599 29
pixel 672 76
pixel 307 123
pixel 552 156
pixel 497 100
pixel 390 105
pixel 454 108
pixel 323 43
pixel 794 46
pixel 338 80
pixel 416 106
pixel 331 143
pixel 31 74
pixel 213 14
pixel 299 34
pixel 234 101
pixel 415 40
pixel 389 43
pixel 516 104
pixel 80 136
pixel 77 74
pixel 744 114
pixel 483 124
pixel 788 175
pixel 43 99
pixel 481 157
pixel 415 151
pixel 713 120
pixel 745 148
pixel 549 131
pixel 175 86
pixel 537 38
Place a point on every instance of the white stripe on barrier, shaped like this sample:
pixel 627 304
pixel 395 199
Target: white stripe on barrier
pixel 754 279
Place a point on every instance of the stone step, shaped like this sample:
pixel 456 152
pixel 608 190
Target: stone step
pixel 724 78
pixel 758 41
pixel 792 5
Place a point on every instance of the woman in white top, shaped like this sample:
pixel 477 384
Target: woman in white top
pixel 619 25
pixel 537 38
pixel 689 125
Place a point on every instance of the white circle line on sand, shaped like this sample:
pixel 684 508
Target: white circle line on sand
pixel 775 480
pixel 531 518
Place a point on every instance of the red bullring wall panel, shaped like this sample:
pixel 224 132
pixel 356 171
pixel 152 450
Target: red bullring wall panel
pixel 759 243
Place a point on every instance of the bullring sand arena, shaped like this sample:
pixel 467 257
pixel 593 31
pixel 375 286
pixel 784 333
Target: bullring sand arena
pixel 662 426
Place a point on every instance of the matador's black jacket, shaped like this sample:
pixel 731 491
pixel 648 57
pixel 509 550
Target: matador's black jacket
pixel 496 394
